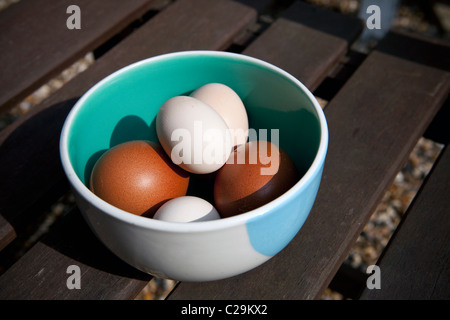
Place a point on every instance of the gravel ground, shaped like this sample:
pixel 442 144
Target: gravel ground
pixel 384 220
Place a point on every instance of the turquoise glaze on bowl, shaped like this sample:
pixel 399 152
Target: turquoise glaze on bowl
pixel 265 231
pixel 123 107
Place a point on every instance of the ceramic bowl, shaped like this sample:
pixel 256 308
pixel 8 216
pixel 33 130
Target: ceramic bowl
pixel 123 107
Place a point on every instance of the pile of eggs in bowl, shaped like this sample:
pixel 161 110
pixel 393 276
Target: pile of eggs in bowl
pixel 201 135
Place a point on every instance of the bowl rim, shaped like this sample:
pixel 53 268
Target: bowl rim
pixel 201 226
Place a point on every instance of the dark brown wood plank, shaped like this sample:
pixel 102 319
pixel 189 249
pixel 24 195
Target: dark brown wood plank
pixel 32 176
pixel 185 25
pixel 306 41
pixel 7 232
pixel 374 122
pixel 43 272
pixel 36 43
pixel 416 263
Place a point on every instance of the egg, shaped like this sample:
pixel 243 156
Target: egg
pixel 193 134
pixel 256 173
pixel 187 209
pixel 138 177
pixel 229 105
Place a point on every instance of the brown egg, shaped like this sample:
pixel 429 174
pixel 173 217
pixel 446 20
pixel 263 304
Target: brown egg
pixel 137 177
pixel 241 186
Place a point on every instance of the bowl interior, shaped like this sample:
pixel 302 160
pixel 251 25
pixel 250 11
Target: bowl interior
pixel 124 105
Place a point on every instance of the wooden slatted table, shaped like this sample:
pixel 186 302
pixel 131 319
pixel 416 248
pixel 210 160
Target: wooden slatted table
pixel 380 104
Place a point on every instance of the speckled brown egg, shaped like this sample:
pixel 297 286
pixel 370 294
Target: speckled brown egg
pixel 138 177
pixel 243 185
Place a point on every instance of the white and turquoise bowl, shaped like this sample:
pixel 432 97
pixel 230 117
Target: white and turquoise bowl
pixel 123 107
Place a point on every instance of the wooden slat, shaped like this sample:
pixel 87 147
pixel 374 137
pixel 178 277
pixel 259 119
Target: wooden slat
pixel 307 42
pixel 416 263
pixel 32 176
pixel 374 122
pixel 43 272
pixel 185 25
pixel 36 43
pixel 32 141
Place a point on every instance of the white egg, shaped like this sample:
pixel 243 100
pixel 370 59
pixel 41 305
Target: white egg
pixel 229 105
pixel 193 134
pixel 186 209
